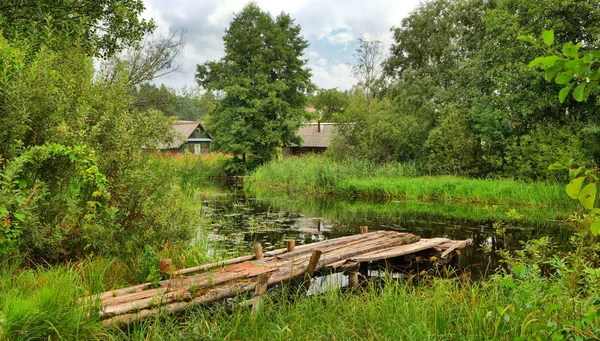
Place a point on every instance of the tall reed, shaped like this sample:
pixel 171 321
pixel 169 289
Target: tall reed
pixel 318 174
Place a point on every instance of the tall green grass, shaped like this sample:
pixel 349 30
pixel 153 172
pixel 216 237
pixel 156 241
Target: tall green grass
pixel 319 174
pixel 439 310
pixel 46 304
pixel 194 171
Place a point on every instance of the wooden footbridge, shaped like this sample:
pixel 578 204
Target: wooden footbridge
pixel 254 273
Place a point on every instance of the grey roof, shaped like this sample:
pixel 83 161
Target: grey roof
pixel 311 137
pixel 183 130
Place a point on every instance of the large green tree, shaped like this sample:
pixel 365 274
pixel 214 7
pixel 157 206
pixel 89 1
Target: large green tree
pixel 103 26
pixel 264 81
pixel 460 62
pixel 330 103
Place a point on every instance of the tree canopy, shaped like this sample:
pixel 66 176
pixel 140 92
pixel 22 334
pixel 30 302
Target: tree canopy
pixel 264 81
pixel 330 103
pixel 104 26
pixel 459 95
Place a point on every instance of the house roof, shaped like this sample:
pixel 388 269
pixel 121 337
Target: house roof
pixel 183 130
pixel 310 108
pixel 311 136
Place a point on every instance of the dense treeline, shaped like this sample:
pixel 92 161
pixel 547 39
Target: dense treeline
pixel 457 95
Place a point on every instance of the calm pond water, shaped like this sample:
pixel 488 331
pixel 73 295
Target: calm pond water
pixel 238 221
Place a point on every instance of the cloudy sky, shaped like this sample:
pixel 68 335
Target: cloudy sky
pixel 332 28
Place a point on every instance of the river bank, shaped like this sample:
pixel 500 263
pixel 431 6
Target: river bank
pixel 320 175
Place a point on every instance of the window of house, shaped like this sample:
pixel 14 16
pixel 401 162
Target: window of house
pixel 197 149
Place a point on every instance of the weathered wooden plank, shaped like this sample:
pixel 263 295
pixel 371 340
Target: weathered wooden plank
pixel 324 245
pixel 390 243
pixel 128 290
pixel 200 280
pixel 399 251
pixel 226 262
pixel 456 245
pixel 215 294
pixel 181 294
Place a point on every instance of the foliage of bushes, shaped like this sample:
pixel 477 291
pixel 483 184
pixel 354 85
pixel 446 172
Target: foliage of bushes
pixel 61 127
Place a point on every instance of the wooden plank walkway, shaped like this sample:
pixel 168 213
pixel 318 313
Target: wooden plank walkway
pixel 188 287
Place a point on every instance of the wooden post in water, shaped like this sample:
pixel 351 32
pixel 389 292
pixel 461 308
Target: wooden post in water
pixel 364 229
pixel 290 244
pixel 312 265
pixel 261 288
pixel 258 252
pixel 164 265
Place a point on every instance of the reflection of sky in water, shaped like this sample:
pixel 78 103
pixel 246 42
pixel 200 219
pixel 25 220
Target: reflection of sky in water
pixel 237 223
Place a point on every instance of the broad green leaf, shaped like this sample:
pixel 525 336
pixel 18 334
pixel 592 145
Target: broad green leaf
pixel 595 53
pixel 22 183
pixel 564 92
pixel 520 270
pixel 574 172
pixel 528 39
pixel 536 62
pixel 587 196
pixel 551 72
pixel 571 50
pixel 548 37
pixel 595 227
pixel 556 166
pixel 564 77
pixel 550 61
pixel 20 217
pixel 509 284
pixel 571 65
pixel 578 92
pixel 582 70
pixel 574 187
pixel 595 76
pixel 587 58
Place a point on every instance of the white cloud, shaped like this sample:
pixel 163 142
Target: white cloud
pixel 340 38
pixel 337 76
pixel 330 26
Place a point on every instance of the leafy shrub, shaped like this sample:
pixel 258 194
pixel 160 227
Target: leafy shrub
pixel 453 148
pixel 50 104
pixel 529 155
pixel 59 222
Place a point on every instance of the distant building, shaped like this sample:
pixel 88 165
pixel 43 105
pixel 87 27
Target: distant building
pixel 189 135
pixel 316 138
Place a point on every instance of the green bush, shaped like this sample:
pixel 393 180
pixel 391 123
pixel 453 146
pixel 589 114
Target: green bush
pixel 452 146
pixel 529 155
pixel 50 100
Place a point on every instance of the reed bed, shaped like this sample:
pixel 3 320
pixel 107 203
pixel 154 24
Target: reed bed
pixel 320 175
